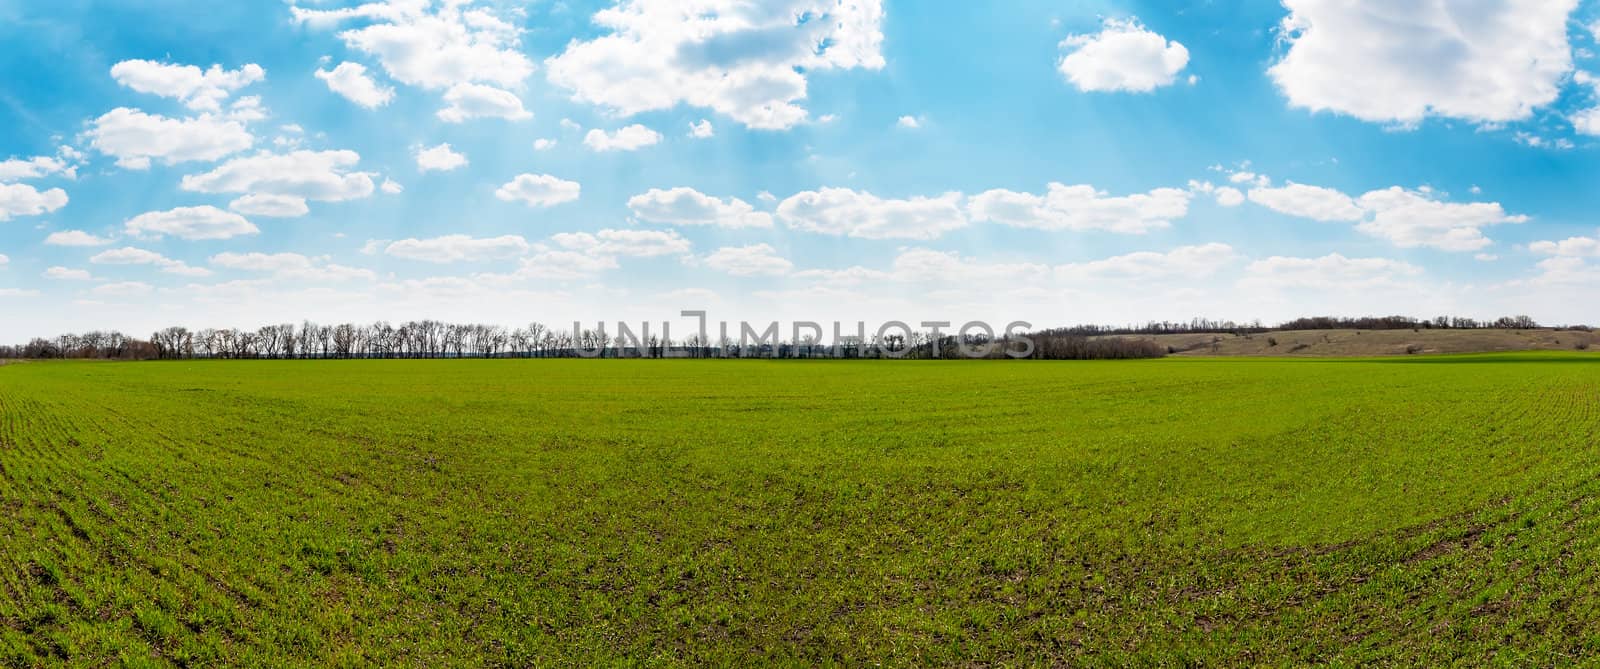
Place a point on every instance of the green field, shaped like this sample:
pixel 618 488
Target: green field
pixel 573 512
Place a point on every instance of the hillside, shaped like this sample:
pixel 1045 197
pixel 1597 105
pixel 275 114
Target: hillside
pixel 1348 343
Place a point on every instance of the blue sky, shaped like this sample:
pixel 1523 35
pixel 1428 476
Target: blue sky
pixel 245 163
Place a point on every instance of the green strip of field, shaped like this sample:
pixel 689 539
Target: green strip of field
pixel 742 512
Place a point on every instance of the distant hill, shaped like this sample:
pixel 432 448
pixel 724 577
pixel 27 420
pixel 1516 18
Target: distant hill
pixel 1352 343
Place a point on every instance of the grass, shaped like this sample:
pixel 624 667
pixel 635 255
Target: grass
pixel 653 513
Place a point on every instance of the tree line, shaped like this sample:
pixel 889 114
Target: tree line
pixel 438 339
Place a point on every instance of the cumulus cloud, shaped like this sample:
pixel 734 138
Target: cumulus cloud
pixel 1226 196
pixel 469 101
pixel 129 255
pixel 753 260
pixel 1123 56
pixel 630 138
pixel 543 144
pixel 75 238
pixel 323 176
pixel 122 289
pixel 431 48
pixel 67 274
pixel 351 81
pixel 459 248
pixel 1586 121
pixel 1405 218
pixel 1186 262
pixel 919 265
pixel 560 265
pixel 25 200
pixel 1565 270
pixel 1489 62
pixel 909 122
pixel 631 243
pixel 192 223
pixel 135 138
pixel 748 61
pixel 290 266
pixel 272 206
pixel 200 90
pixel 687 206
pixel 1313 202
pixel 440 158
pixel 1082 207
pixel 16 169
pixel 701 129
pixel 1329 271
pixel 1409 219
pixel 1571 247
pixel 539 190
pixel 845 212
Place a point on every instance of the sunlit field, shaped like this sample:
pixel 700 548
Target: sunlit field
pixel 574 512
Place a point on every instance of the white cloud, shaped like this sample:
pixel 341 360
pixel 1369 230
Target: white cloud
pixel 198 90
pixel 392 187
pixel 1123 56
pixel 543 144
pixel 701 129
pixel 748 61
pixel 246 110
pixel 122 289
pixel 1081 207
pixel 290 266
pixel 323 176
pixel 1183 263
pixel 630 138
pixel 918 265
pixel 909 122
pixel 192 223
pixel 1329 271
pixel 1406 218
pixel 459 248
pixel 14 169
pixel 563 265
pixel 1571 247
pixel 273 206
pixel 129 255
pixel 1409 219
pixel 440 158
pixel 75 238
pixel 1490 61
pixel 66 274
pixel 845 212
pixel 469 101
pixel 430 49
pixel 539 190
pixel 350 80
pixel 1565 270
pixel 1587 121
pixel 687 206
pixel 753 260
pixel 1313 202
pixel 25 200
pixel 631 243
pixel 135 138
